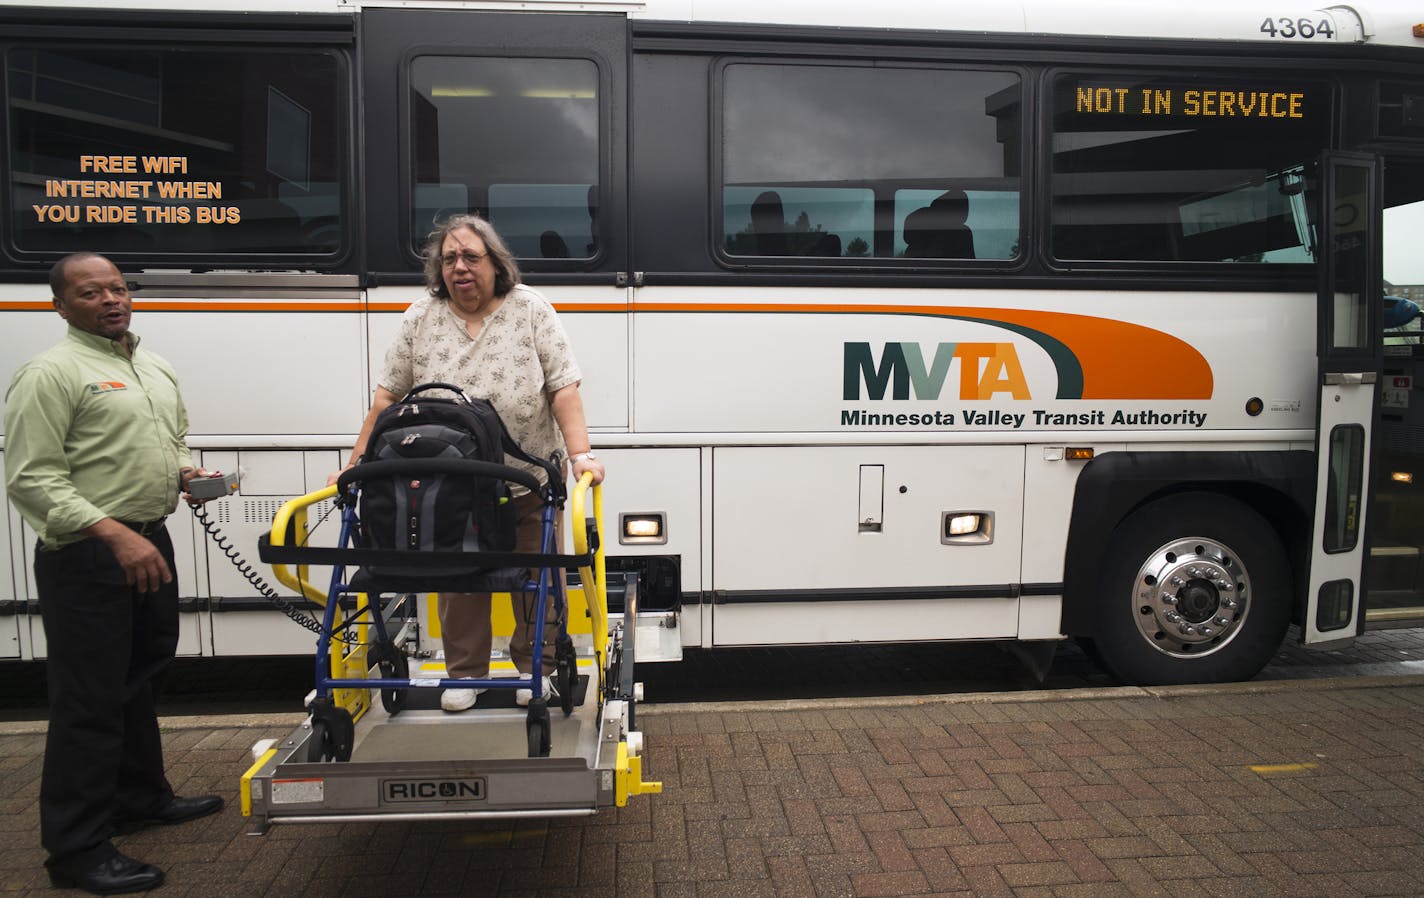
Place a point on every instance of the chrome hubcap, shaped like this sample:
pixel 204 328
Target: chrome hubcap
pixel 1191 597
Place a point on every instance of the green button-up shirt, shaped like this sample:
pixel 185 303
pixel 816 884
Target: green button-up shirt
pixel 91 433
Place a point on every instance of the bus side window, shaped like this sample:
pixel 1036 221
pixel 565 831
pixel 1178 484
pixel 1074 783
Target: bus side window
pixel 202 151
pixel 847 152
pixel 541 190
pixel 1187 177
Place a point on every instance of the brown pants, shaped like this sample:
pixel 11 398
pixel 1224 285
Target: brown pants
pixel 465 627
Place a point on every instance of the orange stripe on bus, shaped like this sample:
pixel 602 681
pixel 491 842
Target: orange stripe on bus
pixel 1120 360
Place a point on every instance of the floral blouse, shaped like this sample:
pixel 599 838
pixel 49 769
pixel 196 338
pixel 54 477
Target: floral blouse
pixel 519 359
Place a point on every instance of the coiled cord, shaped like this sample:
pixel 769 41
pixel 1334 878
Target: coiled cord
pixel 297 615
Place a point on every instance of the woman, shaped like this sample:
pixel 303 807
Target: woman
pixel 484 331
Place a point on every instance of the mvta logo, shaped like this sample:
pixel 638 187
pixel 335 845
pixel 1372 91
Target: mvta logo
pixel 985 369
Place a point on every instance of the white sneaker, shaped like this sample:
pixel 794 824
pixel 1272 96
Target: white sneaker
pixel 522 697
pixel 459 699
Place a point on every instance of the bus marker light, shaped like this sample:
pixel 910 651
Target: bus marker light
pixel 966 528
pixel 963 523
pixel 1078 453
pixel 1402 476
pixel 642 529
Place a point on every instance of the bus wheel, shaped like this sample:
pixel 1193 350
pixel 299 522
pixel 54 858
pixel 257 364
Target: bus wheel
pixel 1196 590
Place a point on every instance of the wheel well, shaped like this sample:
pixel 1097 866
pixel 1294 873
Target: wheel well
pixel 1277 485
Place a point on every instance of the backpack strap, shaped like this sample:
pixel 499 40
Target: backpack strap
pixel 437 385
pixel 507 443
pixel 556 479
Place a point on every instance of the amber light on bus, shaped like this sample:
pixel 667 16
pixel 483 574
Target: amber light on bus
pixel 1078 453
pixel 1402 476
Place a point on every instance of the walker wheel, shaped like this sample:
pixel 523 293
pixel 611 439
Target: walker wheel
pixel 537 726
pixel 566 670
pixel 397 668
pixel 319 747
pixel 333 732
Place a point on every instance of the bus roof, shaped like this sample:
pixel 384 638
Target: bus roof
pixel 1391 22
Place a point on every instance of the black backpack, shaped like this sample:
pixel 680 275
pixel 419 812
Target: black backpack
pixel 420 492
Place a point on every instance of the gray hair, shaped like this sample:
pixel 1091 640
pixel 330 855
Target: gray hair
pixel 506 270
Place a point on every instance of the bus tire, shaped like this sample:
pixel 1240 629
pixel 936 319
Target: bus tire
pixel 1196 589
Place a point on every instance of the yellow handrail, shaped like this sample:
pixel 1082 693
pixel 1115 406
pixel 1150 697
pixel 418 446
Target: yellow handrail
pixel 294 512
pixel 595 591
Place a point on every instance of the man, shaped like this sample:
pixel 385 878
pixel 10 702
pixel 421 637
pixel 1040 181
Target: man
pixel 95 458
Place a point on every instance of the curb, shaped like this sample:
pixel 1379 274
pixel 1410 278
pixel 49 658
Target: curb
pixel 1096 693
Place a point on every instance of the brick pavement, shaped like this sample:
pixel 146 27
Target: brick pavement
pixel 1294 788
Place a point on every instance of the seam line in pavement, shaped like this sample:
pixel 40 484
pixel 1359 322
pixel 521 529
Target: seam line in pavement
pixel 1098 693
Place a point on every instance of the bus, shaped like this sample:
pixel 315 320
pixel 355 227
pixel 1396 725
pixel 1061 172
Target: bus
pixel 900 322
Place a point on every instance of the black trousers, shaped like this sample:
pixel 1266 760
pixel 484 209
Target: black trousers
pixel 109 646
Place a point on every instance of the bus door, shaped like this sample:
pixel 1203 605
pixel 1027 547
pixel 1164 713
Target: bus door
pixel 521 119
pixel 1349 362
pixel 1395 578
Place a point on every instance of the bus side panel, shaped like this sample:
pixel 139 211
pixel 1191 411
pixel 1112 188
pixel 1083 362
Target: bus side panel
pixel 26 333
pixel 242 622
pixel 878 620
pixel 801 521
pixel 921 363
pixel 667 481
pixel 1050 481
pixel 253 373
pixel 599 338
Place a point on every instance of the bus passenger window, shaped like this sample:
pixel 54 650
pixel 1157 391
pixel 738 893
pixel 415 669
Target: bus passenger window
pixel 175 154
pixel 1175 169
pixel 538 183
pixel 816 157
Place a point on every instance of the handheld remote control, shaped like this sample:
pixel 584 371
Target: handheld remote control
pixel 214 486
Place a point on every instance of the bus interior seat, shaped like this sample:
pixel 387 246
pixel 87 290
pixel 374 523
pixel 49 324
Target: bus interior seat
pixel 553 246
pixel 938 231
pixel 829 246
pixel 769 225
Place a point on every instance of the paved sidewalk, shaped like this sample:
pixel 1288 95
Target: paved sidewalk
pixel 1295 788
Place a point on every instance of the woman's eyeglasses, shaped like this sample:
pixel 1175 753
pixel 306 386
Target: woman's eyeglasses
pixel 470 258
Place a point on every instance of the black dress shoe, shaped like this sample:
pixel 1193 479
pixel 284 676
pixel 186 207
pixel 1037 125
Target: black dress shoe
pixel 115 876
pixel 178 810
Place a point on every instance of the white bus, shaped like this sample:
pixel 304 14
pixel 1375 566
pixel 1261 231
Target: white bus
pixel 900 321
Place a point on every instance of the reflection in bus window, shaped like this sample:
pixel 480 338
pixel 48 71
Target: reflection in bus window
pixel 172 151
pixel 835 161
pixel 513 139
pixel 1170 169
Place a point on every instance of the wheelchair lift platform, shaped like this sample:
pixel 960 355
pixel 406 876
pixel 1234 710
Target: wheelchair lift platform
pixel 430 764
pixel 377 745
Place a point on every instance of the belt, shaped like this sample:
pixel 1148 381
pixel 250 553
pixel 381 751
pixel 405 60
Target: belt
pixel 145 528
